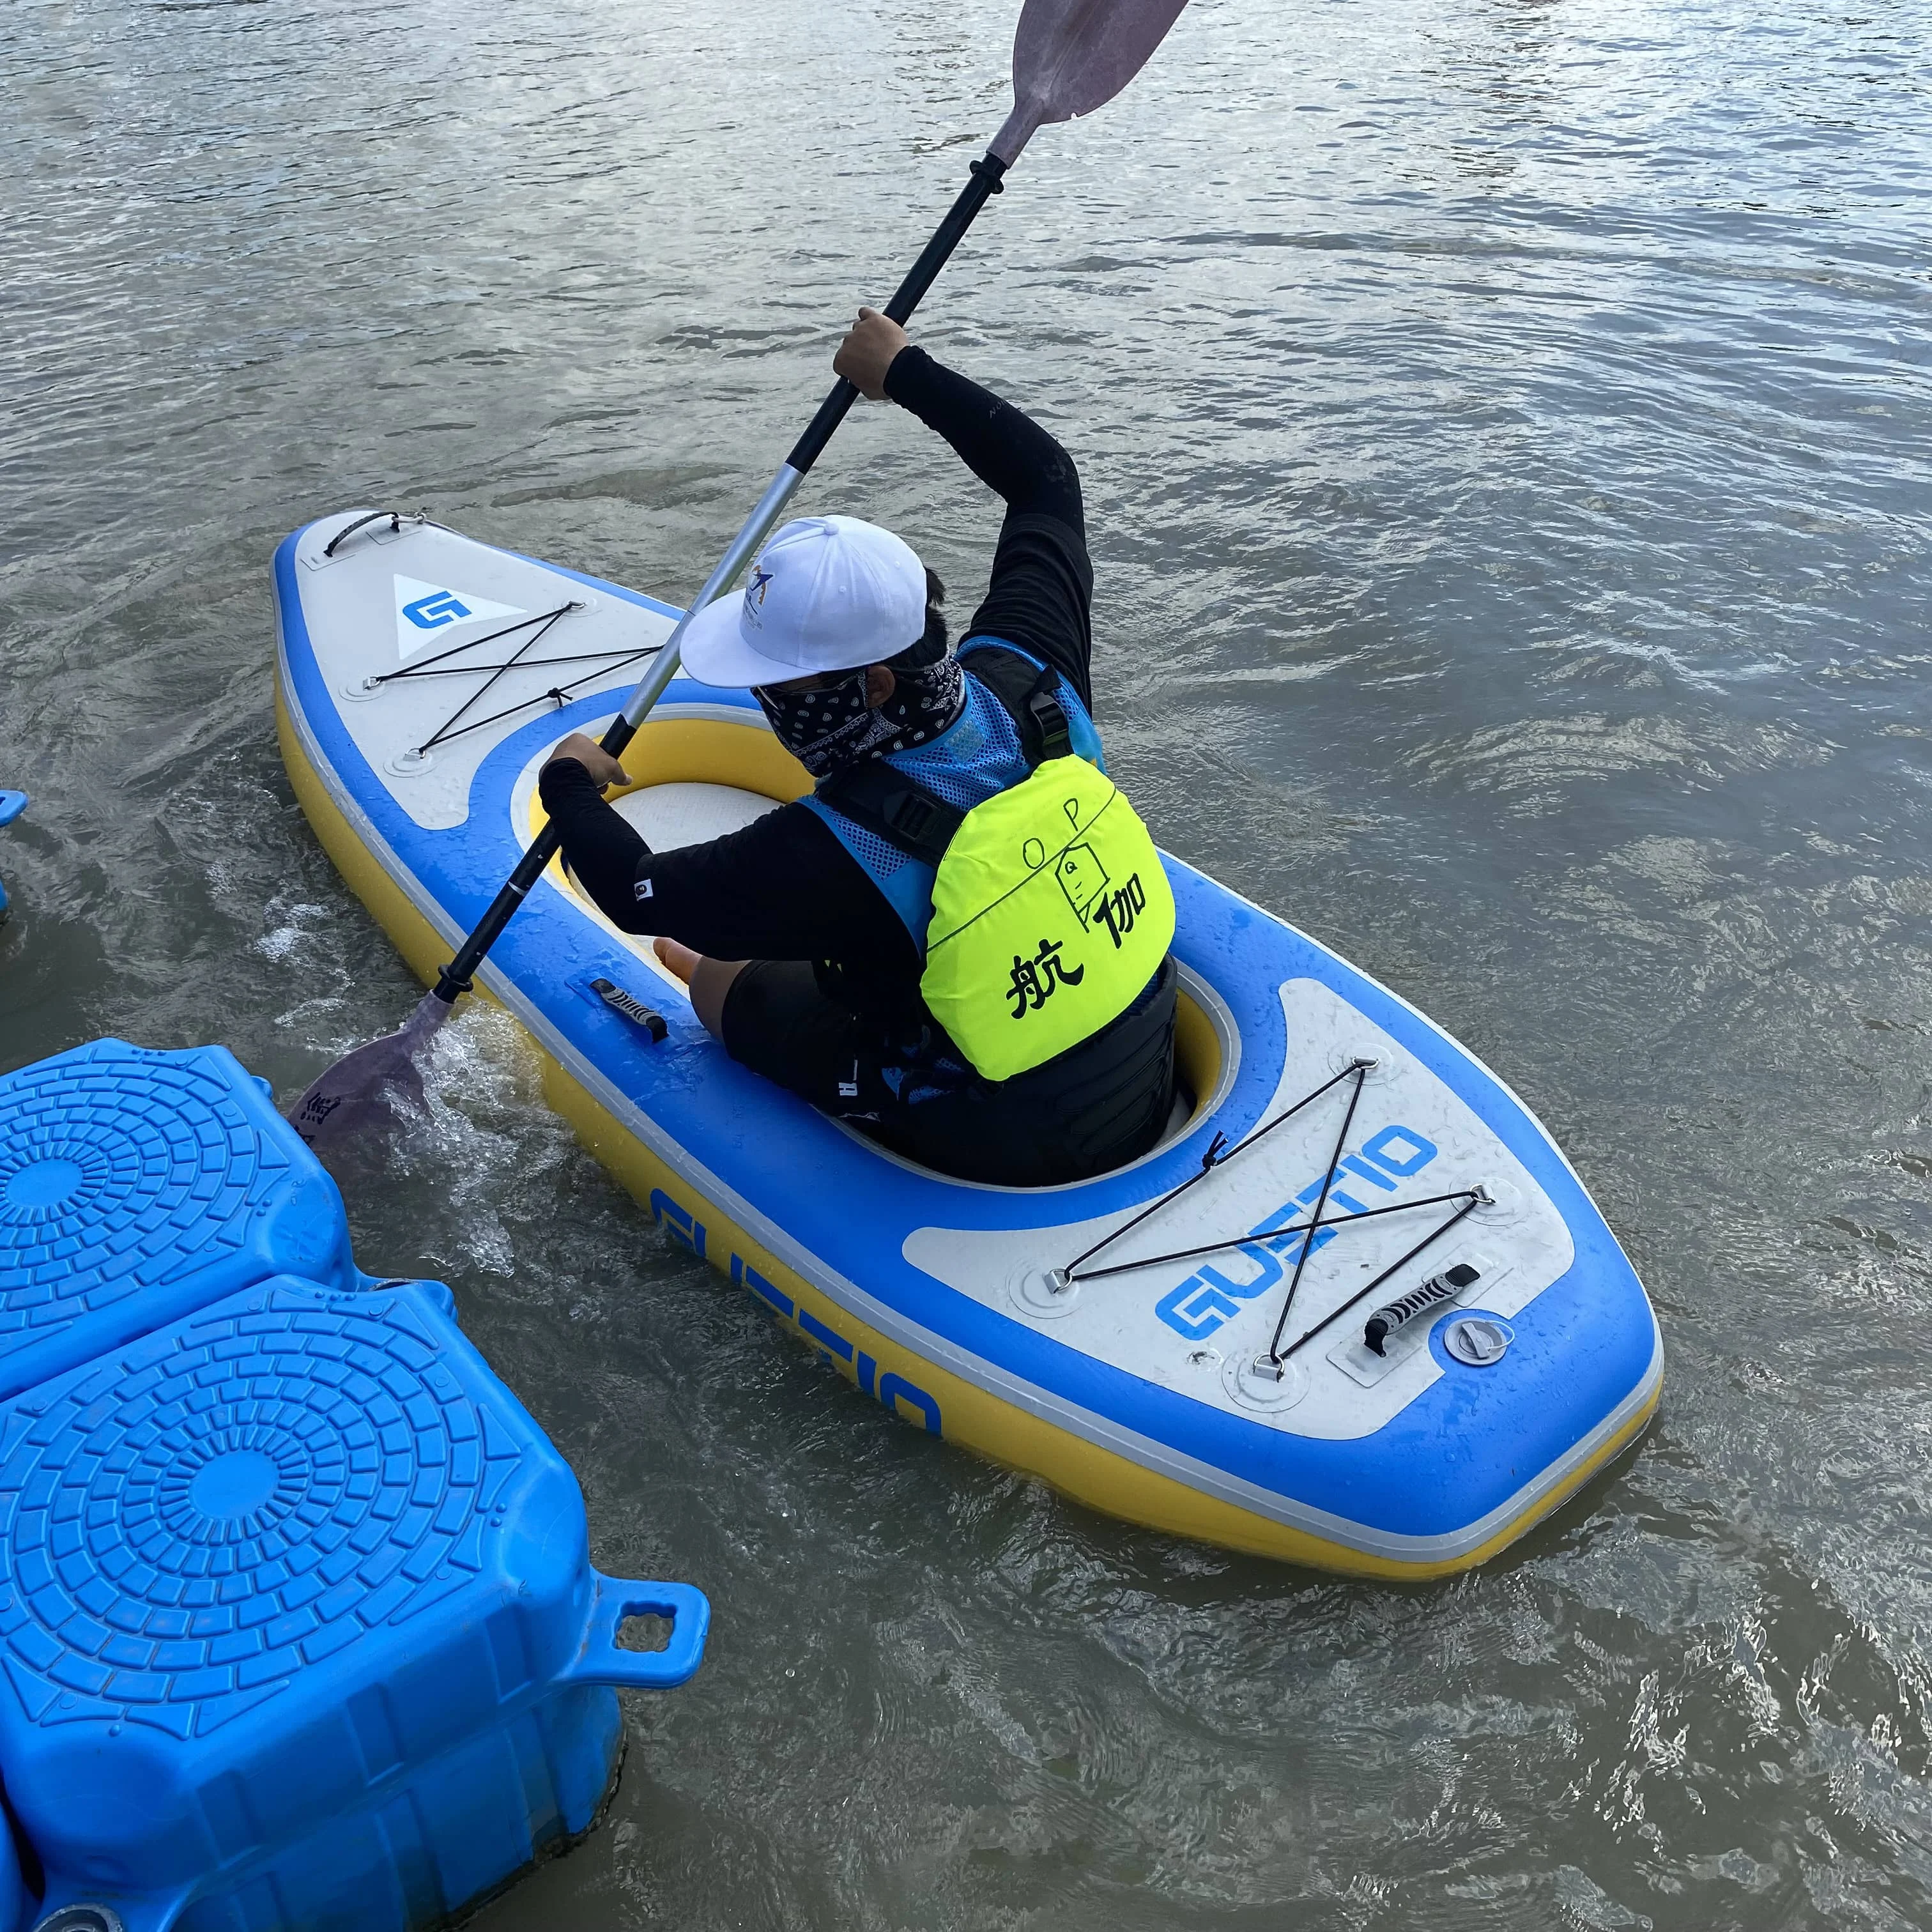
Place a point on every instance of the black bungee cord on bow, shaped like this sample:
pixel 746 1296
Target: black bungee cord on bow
pixel 603 663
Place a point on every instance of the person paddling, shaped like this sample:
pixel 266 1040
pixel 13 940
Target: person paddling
pixel 959 940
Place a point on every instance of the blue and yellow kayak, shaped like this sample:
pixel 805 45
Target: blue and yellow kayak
pixel 1187 1342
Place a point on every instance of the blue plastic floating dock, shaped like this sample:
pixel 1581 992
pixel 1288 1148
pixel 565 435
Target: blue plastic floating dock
pixel 134 1185
pixel 298 1623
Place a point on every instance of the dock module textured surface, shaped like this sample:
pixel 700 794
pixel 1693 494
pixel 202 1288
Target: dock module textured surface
pixel 134 1185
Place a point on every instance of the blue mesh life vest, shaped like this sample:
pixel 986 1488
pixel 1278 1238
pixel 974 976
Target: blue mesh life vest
pixel 976 756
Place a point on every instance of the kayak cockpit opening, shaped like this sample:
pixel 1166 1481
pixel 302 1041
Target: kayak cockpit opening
pixel 712 774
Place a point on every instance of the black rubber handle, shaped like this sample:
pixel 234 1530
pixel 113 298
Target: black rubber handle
pixel 454 980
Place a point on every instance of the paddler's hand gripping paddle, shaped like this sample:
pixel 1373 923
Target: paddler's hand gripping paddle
pixel 1069 57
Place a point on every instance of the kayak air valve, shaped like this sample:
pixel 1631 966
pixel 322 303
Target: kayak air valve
pixel 1433 1292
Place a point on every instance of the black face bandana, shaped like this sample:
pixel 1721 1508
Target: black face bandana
pixel 834 726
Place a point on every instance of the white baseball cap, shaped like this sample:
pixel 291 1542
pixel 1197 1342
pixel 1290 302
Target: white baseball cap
pixel 829 593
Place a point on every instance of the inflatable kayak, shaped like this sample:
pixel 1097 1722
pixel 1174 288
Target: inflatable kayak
pixel 1355 1311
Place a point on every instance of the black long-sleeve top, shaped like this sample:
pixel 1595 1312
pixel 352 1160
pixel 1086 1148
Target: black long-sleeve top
pixel 784 887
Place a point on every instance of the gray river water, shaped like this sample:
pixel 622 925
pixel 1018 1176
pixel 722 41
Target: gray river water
pixel 1505 428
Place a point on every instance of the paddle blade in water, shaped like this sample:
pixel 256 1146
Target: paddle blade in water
pixel 1072 56
pixel 365 1091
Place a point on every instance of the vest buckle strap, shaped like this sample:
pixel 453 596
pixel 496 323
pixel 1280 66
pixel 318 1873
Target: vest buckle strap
pixel 912 815
pixel 895 806
pixel 1029 695
pixel 1053 735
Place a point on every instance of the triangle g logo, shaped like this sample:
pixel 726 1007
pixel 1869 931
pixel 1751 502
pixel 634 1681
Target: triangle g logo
pixel 425 611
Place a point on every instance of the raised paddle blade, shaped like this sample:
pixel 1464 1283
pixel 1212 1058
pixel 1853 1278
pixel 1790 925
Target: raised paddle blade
pixel 1072 56
pixel 373 1085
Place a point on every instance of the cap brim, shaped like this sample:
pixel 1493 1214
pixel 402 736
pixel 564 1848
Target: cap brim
pixel 713 650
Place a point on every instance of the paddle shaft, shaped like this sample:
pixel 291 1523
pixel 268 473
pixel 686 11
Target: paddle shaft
pixel 454 979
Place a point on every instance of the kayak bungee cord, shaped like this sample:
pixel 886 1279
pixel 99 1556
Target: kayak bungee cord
pixel 623 656
pixel 1064 1277
pixel 1280 1233
pixel 559 694
pixel 448 728
pixel 1062 1280
pixel 1360 1070
pixel 377 679
pixel 439 666
pixel 1277 1355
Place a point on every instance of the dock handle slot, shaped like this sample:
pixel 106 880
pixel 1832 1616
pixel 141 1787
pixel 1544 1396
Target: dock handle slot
pixel 599 1660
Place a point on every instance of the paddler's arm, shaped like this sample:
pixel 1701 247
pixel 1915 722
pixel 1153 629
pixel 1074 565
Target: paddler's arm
pixel 1041 593
pixel 783 888
pixel 600 845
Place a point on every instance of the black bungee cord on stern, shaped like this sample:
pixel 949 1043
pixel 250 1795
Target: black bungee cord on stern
pixel 1065 1277
pixel 1360 1070
pixel 1468 1199
pixel 1472 1198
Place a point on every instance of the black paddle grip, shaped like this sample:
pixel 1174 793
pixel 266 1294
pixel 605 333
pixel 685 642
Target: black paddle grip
pixel 985 183
pixel 454 979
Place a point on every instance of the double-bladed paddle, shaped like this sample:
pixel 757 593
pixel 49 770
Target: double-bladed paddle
pixel 1069 57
